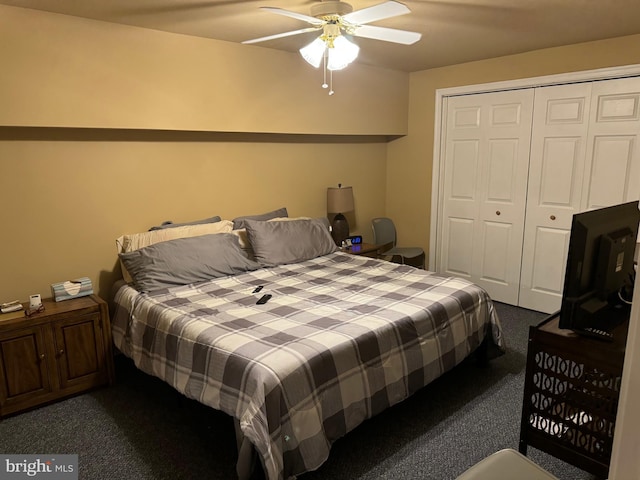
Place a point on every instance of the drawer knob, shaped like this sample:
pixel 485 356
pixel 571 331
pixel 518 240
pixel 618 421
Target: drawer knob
pixel 552 217
pixel 61 352
pixel 497 212
pixel 42 356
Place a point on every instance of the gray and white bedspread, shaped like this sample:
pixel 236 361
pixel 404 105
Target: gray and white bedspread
pixel 343 338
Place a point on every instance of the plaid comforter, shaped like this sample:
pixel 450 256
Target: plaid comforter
pixel 343 338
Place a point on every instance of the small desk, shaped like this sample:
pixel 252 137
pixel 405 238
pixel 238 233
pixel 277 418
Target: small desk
pixel 364 249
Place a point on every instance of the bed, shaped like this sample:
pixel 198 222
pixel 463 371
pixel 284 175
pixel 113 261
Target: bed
pixel 342 338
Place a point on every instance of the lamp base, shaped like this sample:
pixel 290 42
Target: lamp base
pixel 339 229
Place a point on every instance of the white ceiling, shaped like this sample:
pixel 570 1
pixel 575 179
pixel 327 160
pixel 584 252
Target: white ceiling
pixel 453 31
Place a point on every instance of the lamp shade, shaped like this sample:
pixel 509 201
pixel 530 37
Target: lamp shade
pixel 339 200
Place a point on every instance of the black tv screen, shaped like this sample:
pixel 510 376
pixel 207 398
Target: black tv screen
pixel 600 266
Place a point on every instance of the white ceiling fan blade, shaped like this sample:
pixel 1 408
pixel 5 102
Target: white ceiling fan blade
pixel 376 12
pixel 281 35
pixel 387 34
pixel 299 16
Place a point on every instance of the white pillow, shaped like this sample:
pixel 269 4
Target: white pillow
pixel 136 241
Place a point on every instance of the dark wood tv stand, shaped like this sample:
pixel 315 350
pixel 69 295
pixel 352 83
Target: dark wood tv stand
pixel 571 392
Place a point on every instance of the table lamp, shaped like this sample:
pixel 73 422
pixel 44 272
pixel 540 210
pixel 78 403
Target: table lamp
pixel 339 201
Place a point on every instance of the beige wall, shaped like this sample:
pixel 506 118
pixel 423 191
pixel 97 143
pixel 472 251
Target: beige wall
pixel 67 71
pixel 68 200
pixel 107 129
pixel 625 458
pixel 409 164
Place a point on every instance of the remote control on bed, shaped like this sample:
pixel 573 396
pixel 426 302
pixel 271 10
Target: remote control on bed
pixel 264 299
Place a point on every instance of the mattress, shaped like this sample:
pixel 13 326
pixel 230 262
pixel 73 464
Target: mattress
pixel 342 338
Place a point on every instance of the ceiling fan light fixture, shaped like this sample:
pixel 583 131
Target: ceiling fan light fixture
pixel 342 54
pixel 314 52
pixel 337 18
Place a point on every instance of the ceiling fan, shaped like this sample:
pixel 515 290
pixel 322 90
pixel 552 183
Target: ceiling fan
pixel 333 17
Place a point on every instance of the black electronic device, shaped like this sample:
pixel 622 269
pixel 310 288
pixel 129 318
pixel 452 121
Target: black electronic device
pixel 257 289
pixel 355 239
pixel 599 267
pixel 350 242
pixel 593 332
pixel 264 299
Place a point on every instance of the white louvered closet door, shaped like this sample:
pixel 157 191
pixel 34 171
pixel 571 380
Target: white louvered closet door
pixel 484 189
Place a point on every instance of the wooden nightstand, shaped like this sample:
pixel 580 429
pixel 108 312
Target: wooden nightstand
pixel 60 352
pixel 364 249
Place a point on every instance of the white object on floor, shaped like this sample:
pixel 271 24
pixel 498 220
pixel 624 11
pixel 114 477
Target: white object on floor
pixel 506 464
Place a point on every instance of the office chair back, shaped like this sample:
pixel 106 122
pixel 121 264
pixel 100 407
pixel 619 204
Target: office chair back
pixel 384 231
pixel 384 235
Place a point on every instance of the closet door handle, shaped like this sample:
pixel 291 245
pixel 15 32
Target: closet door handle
pixel 552 217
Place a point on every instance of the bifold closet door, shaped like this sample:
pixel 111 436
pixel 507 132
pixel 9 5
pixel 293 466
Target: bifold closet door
pixel 613 153
pixel 484 189
pixel 556 178
pixel 585 155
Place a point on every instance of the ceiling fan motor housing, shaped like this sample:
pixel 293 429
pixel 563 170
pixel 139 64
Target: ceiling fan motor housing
pixel 328 8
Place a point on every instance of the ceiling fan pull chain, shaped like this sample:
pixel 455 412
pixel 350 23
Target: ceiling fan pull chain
pixel 331 92
pixel 324 70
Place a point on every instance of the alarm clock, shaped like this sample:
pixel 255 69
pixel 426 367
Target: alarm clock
pixel 354 240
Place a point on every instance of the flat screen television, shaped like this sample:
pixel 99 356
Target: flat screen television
pixel 600 267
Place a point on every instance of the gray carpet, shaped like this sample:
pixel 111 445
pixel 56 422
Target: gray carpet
pixel 141 428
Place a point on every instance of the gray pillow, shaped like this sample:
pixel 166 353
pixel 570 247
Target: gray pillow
pixel 276 243
pixel 239 222
pixel 186 260
pixel 170 224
